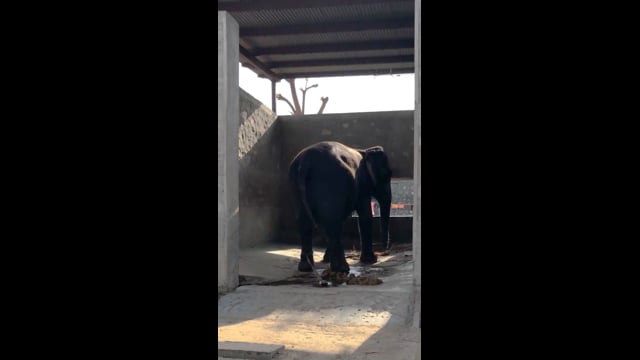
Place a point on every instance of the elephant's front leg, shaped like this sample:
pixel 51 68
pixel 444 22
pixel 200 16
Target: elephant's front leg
pixel 365 220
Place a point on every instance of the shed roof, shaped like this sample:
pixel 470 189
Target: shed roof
pixel 316 38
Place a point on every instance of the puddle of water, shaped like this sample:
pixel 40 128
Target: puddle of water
pixel 356 270
pixel 359 270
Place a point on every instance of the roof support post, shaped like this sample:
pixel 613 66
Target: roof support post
pixel 417 152
pixel 273 97
pixel 228 163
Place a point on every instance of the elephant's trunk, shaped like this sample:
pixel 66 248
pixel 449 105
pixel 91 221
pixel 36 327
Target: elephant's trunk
pixel 385 210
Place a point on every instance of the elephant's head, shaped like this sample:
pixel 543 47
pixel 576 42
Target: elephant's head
pixel 379 174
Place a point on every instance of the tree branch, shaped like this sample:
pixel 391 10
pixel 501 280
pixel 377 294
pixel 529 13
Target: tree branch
pixel 304 92
pixel 280 97
pixel 324 103
pixel 294 95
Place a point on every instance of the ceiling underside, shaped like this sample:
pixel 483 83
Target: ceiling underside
pixel 281 39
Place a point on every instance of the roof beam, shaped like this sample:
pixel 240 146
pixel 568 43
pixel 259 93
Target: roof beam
pixel 362 25
pixel 342 61
pixel 254 5
pixel 259 67
pixel 311 74
pixel 406 43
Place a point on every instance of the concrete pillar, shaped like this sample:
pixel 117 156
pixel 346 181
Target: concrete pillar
pixel 417 152
pixel 228 125
pixel 273 97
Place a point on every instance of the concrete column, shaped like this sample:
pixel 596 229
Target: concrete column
pixel 417 152
pixel 273 97
pixel 228 125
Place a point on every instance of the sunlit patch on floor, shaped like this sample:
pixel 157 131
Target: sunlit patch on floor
pixel 332 331
pixel 294 253
pixel 353 256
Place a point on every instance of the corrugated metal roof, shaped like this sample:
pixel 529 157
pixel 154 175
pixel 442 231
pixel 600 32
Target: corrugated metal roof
pixel 290 38
pixel 321 15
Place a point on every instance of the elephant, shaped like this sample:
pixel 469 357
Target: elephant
pixel 331 180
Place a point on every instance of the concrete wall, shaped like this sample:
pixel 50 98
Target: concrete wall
pixel 393 130
pixel 266 145
pixel 260 172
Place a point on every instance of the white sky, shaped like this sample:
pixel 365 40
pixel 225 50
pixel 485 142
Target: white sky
pixel 346 94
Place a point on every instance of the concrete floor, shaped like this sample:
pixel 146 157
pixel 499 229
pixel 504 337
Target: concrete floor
pixel 343 322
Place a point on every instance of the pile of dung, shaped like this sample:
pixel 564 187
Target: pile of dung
pixel 337 278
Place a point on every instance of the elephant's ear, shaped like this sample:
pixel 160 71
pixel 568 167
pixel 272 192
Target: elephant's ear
pixel 371 160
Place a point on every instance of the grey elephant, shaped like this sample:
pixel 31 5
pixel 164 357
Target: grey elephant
pixel 331 180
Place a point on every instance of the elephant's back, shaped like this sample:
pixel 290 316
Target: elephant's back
pixel 328 155
pixel 326 172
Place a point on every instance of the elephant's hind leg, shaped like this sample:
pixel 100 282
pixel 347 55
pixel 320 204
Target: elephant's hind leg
pixel 327 254
pixel 305 227
pixel 336 255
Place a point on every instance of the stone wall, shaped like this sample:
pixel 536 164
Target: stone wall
pixel 260 170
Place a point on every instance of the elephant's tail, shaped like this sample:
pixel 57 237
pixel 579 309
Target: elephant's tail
pixel 301 182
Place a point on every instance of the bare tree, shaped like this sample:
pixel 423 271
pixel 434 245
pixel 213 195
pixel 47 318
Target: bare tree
pixel 295 106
